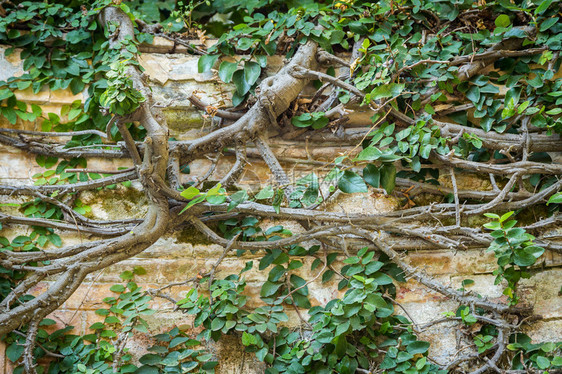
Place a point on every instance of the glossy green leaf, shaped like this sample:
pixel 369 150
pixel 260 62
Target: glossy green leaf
pixel 388 177
pixel 351 182
pixel 206 62
pixel 226 70
pixel 252 71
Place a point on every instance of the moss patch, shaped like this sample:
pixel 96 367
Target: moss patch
pixel 192 236
pixel 182 119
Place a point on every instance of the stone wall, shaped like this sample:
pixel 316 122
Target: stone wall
pixel 184 254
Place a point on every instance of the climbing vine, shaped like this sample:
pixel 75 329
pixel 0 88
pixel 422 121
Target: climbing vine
pixel 451 87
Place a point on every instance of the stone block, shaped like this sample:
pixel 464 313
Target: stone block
pixel 471 261
pixel 65 97
pixel 43 97
pixel 544 331
pixel 10 66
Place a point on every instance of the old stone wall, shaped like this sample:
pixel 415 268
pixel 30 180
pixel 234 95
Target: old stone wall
pixel 183 254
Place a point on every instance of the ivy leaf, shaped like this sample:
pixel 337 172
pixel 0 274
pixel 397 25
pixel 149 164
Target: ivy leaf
pixel 252 71
pixel 248 339
pixel 543 5
pixel 245 43
pixel 304 120
pixel 350 182
pixel 543 362
pixel 388 177
pixel 185 169
pixel 190 193
pixel 266 193
pixel 547 24
pixel 502 20
pixel 473 94
pixel 239 80
pixel 117 288
pixel 269 288
pixel 369 154
pixel 179 340
pixel 301 301
pixel 310 195
pixel 260 355
pixel 111 320
pixel 192 203
pixel 236 199
pixel 149 369
pixel 10 115
pixel 14 351
pixel 226 70
pixel 5 93
pixel 216 195
pixel 417 347
pixel 217 324
pixel 206 62
pixel 386 91
pixel 523 258
pixel 341 346
pixel 555 199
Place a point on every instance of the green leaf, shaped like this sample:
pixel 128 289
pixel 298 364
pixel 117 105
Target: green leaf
pixel 555 199
pixel 350 182
pixel 248 339
pixel 502 20
pixel 341 346
pixel 239 80
pixel 14 351
pixel 386 91
pixel 342 328
pixel 148 369
pixel 206 62
pixel 10 115
pixel 266 193
pixel 111 320
pixel 304 120
pixel 523 258
pixel 376 301
pixel 388 177
pixel 190 193
pixel 543 362
pixel 5 93
pixel 276 273
pixel 126 275
pixel 421 363
pixel 301 301
pixel 217 198
pixel 77 85
pixel 269 288
pixel 372 175
pixel 217 324
pixel 418 347
pixel 97 326
pixel 543 5
pixel 320 122
pixel 117 288
pixel 473 94
pixel 252 71
pixel 369 154
pixel 260 355
pixel 245 43
pixel 139 270
pixel 226 70
pixel 547 24
pixel 180 339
